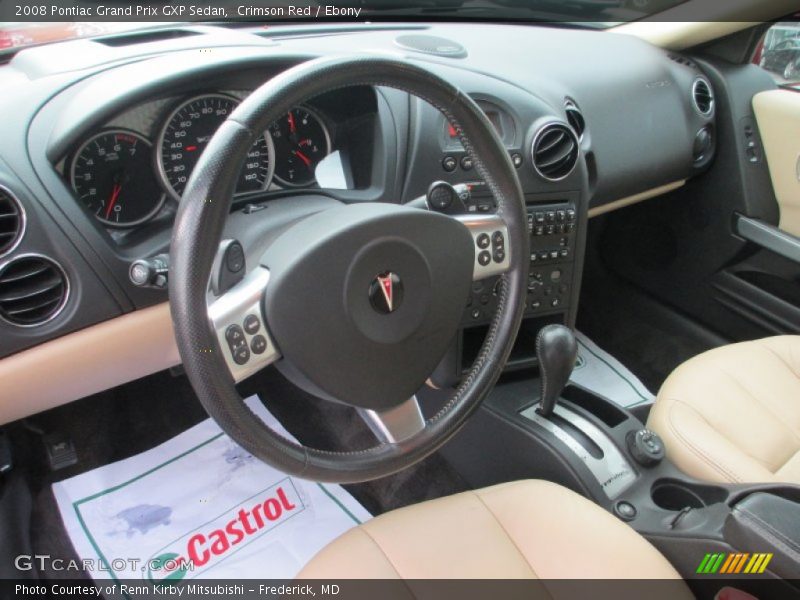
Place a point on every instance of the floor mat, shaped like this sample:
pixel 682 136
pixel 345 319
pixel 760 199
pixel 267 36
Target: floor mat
pixel 200 506
pixel 598 371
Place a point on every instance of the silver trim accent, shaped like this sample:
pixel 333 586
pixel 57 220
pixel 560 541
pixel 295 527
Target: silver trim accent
pixel 396 424
pixel 23 221
pixel 613 471
pixel 321 121
pixel 539 134
pixel 162 132
pixel 64 300
pixel 479 224
pixel 712 106
pixel 77 155
pixel 770 237
pixel 570 105
pixel 241 300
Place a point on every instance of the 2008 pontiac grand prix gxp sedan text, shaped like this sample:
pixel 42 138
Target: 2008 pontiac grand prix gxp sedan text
pixel 464 298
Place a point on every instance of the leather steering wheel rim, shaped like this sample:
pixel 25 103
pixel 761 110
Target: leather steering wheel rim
pixel 199 226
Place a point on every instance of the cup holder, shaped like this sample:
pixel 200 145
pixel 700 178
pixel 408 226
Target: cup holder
pixel 675 495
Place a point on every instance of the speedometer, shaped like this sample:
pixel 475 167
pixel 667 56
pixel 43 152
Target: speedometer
pixel 187 132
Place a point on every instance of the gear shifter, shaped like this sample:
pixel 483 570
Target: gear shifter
pixel 556 349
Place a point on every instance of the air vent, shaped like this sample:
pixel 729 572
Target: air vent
pixel 33 290
pixel 12 221
pixel 703 97
pixel 555 151
pixel 575 118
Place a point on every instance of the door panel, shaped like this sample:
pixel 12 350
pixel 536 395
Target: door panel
pixel 778 116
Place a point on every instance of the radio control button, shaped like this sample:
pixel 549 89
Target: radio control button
pixel 258 344
pixel 252 324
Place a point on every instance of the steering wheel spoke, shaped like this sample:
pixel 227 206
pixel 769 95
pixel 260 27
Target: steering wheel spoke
pixel 492 250
pixel 396 424
pixel 240 327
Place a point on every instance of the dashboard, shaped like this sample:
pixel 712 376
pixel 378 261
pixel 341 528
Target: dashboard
pixel 101 136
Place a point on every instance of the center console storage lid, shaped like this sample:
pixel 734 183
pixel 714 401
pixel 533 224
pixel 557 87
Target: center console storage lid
pixel 765 522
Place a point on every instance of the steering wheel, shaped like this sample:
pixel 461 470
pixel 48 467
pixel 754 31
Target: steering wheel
pixel 359 303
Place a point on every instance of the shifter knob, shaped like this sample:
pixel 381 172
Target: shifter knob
pixel 556 349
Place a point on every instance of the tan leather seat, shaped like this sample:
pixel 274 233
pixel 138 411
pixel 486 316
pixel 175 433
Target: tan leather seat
pixel 525 529
pixel 733 414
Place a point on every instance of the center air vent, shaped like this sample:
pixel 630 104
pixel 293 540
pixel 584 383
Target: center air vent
pixel 33 290
pixel 554 151
pixel 703 97
pixel 12 222
pixel 575 118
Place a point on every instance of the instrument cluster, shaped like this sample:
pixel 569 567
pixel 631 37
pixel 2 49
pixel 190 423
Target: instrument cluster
pixel 124 173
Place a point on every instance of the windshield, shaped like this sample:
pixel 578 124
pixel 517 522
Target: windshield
pixel 42 24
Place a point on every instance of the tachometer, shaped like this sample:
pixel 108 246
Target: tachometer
pixel 187 132
pixel 301 142
pixel 112 174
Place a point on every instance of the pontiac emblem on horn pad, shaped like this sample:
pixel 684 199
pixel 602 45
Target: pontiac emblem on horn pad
pixel 386 292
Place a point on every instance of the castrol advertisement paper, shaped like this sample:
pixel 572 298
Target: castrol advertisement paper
pixel 199 506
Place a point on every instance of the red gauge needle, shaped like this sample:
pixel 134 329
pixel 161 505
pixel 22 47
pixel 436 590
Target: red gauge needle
pixel 113 199
pixel 191 148
pixel 292 126
pixel 302 157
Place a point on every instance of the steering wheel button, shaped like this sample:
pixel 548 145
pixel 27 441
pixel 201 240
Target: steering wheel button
pixel 449 164
pixel 234 335
pixel 258 344
pixel 483 241
pixel 498 239
pixel 466 163
pixel 252 324
pixel 499 255
pixel 484 258
pixel 241 354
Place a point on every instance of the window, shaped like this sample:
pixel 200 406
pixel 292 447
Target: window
pixel 779 53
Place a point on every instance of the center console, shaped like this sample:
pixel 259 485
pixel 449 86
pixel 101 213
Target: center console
pixel 553 233
pixel 557 229
pixel 546 428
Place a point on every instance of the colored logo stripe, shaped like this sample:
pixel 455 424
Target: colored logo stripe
pixel 736 562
